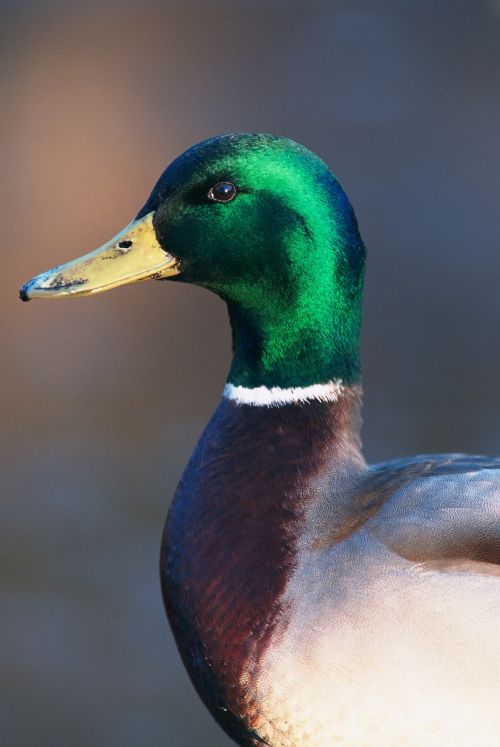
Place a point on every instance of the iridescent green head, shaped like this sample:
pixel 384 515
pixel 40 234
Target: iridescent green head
pixel 262 222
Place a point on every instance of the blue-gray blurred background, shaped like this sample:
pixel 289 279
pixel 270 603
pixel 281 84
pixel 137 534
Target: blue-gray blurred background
pixel 104 398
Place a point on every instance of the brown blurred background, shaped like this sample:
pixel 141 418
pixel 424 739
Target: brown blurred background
pixel 104 398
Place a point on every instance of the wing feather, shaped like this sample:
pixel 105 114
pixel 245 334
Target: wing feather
pixel 445 512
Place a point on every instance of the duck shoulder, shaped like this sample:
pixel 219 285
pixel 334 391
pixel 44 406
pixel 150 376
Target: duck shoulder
pixel 440 511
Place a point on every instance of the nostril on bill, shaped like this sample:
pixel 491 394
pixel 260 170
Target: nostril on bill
pixel 125 244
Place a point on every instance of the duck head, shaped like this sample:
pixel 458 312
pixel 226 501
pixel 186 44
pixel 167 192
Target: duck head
pixel 262 222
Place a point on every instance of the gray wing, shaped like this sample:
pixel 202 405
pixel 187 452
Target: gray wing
pixel 443 512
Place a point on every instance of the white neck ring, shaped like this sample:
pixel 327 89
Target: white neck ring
pixel 276 396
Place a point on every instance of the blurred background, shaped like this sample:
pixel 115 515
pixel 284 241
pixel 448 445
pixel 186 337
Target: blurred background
pixel 104 398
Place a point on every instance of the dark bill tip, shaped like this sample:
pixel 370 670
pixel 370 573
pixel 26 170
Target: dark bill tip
pixel 23 293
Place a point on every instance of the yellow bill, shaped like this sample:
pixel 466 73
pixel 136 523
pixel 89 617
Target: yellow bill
pixel 131 256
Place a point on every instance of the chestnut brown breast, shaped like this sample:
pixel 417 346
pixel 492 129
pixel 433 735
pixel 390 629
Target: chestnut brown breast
pixel 230 542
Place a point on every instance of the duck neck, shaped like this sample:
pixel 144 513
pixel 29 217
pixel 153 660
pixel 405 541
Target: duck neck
pixel 312 344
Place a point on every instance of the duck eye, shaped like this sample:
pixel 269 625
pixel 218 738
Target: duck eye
pixel 222 192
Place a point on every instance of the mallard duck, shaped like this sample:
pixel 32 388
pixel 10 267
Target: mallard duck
pixel 315 600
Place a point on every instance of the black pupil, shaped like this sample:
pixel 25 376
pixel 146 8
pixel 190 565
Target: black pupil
pixel 224 191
